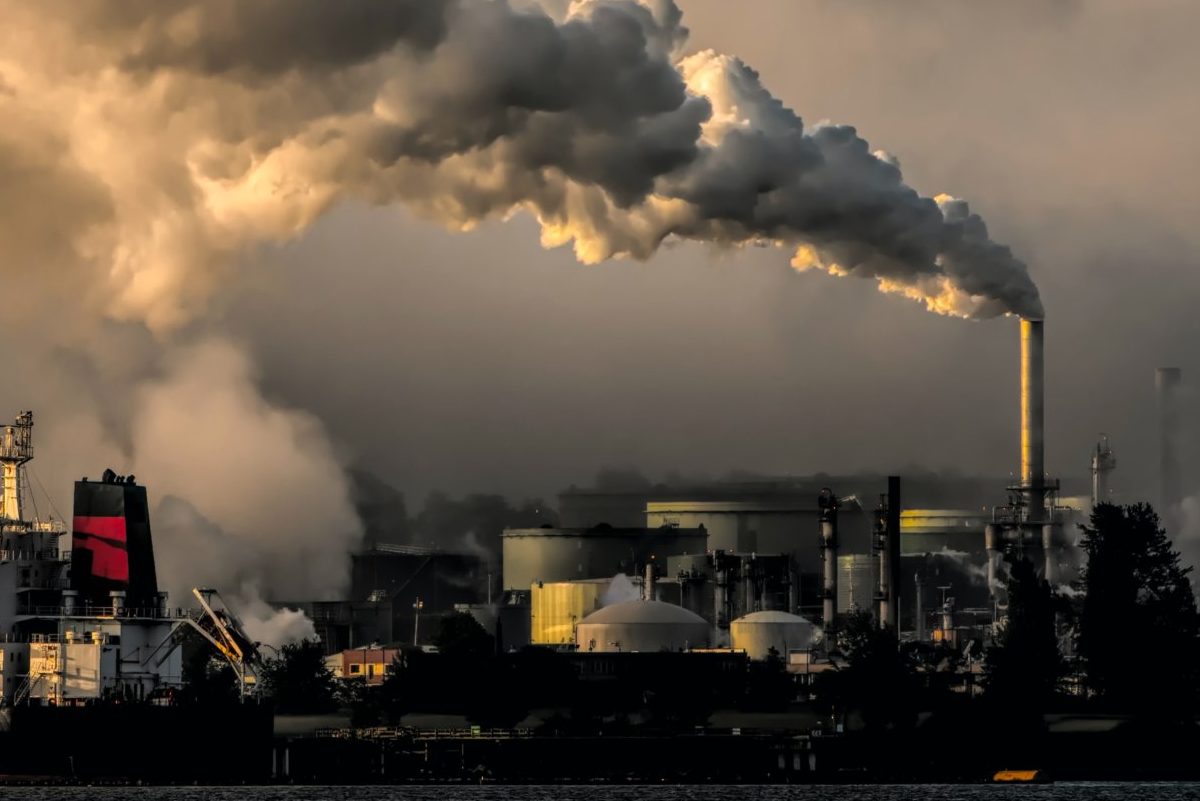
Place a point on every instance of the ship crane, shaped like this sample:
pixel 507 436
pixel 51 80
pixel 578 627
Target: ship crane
pixel 223 630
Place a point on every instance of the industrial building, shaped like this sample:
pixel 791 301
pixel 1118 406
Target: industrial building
pixel 642 626
pixel 762 635
pixel 712 556
pixel 857 584
pixel 392 588
pixel 788 556
pixel 557 607
pixel 371 663
pixel 550 554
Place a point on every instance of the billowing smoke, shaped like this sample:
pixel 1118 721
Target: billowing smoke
pixel 253 498
pixel 150 147
pixel 208 127
pixel 246 497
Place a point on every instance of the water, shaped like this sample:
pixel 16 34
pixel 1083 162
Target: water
pixel 915 792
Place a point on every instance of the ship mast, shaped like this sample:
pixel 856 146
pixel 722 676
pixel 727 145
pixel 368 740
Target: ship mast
pixel 16 448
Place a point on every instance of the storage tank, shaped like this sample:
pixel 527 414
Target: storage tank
pixel 556 607
pixel 551 554
pixel 758 633
pixel 642 626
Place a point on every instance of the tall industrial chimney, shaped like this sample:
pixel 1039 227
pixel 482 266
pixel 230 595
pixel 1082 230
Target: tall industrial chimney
pixel 1029 522
pixel 828 504
pixel 887 544
pixel 1103 463
pixel 1033 419
pixel 1166 384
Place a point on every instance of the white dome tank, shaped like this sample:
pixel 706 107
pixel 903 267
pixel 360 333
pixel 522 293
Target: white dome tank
pixel 759 632
pixel 642 626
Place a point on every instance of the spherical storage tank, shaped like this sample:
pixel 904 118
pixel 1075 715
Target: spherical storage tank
pixel 642 626
pixel 759 632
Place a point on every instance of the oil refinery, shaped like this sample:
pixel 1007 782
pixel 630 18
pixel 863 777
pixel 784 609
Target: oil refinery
pixel 795 555
pixel 726 583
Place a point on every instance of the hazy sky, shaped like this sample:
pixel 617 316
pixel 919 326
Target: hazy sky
pixel 480 361
pixel 190 295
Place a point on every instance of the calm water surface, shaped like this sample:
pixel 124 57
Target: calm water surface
pixel 1056 792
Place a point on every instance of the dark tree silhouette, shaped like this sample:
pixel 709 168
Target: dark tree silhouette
pixel 879 683
pixel 1137 600
pixel 459 636
pixel 297 681
pixel 1024 668
pixel 208 679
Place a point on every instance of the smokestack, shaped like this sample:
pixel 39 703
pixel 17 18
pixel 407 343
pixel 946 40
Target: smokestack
pixel 920 584
pixel 887 543
pixel 1103 463
pixel 828 504
pixel 1166 384
pixel 893 552
pixel 1033 421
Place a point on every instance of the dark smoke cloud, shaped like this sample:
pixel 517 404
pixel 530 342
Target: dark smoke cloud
pixel 595 123
pixel 267 37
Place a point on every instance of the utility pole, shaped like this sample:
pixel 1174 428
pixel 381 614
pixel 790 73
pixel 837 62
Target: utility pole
pixel 418 605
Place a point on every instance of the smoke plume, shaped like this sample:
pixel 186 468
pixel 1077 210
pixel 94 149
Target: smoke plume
pixel 152 147
pixel 209 127
pixel 621 588
pixel 254 499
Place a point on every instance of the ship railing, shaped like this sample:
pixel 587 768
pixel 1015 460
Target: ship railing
pixel 32 555
pixel 43 584
pixel 474 731
pixel 140 613
pixel 407 732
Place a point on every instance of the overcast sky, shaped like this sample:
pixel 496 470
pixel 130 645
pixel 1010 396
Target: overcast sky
pixel 480 361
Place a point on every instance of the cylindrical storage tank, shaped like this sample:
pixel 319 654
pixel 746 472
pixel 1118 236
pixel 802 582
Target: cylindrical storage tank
pixel 758 633
pixel 569 554
pixel 556 607
pixel 642 626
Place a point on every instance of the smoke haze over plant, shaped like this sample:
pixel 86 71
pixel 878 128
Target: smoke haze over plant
pixel 242 197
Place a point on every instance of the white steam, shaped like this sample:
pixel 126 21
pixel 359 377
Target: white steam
pixel 621 588
pixel 246 497
pixel 264 490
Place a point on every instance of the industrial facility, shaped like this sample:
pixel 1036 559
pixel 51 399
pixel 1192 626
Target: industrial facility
pixel 773 564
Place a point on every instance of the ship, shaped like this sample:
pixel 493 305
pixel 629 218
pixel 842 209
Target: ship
pixel 91 652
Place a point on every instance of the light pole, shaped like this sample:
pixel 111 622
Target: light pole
pixel 418 605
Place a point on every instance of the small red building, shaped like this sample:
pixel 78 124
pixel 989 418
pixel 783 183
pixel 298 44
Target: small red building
pixel 372 663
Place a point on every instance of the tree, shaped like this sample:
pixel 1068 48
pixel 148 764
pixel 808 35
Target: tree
pixel 297 681
pixel 459 636
pixel 1024 668
pixel 207 678
pixel 1137 599
pixel 878 683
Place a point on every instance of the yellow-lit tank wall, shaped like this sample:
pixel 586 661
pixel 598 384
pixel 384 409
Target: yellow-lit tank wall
pixel 556 607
